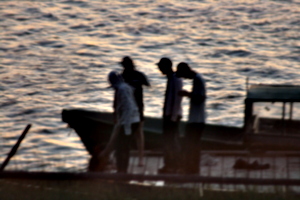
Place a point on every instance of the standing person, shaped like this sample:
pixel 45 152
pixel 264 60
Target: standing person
pixel 127 120
pixel 136 79
pixel 196 118
pixel 172 113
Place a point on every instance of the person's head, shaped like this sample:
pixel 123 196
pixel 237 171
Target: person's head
pixel 127 63
pixel 114 78
pixel 184 71
pixel 165 65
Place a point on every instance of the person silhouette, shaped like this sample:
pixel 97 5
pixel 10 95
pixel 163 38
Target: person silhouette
pixel 137 80
pixel 172 114
pixel 196 118
pixel 127 119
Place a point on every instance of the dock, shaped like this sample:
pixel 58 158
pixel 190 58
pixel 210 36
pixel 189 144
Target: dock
pixel 216 172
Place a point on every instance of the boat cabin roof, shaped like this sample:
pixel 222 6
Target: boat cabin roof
pixel 273 93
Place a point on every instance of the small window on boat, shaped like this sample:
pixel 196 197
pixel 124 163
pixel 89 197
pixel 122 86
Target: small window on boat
pixel 268 109
pixel 296 111
pixel 277 110
pixel 276 117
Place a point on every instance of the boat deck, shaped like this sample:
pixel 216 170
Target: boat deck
pixel 220 164
pixel 274 168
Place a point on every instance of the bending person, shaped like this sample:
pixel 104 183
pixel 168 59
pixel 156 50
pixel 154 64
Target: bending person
pixel 196 118
pixel 127 122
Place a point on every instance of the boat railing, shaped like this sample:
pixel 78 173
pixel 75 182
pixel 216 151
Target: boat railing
pixel 272 126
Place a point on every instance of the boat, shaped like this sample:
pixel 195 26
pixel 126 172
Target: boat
pixel 268 124
pixel 94 129
pixel 272 117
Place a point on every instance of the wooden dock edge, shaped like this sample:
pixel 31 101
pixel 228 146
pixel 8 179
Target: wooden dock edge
pixel 94 176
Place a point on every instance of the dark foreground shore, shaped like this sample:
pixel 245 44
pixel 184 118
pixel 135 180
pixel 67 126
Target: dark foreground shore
pixel 11 189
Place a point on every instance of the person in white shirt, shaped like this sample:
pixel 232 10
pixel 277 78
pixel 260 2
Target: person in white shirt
pixel 127 118
pixel 172 114
pixel 196 118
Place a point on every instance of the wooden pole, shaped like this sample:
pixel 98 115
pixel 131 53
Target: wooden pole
pixel 15 148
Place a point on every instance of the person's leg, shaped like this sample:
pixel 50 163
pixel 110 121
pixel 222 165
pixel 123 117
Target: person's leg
pixel 100 159
pixel 139 137
pixel 192 147
pixel 123 149
pixel 112 142
pixel 175 145
pixel 170 131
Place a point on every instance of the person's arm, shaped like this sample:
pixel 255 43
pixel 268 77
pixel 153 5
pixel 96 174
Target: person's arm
pixel 185 93
pixel 125 108
pixel 112 142
pixel 122 106
pixel 145 80
pixel 198 95
pixel 177 110
pixel 115 118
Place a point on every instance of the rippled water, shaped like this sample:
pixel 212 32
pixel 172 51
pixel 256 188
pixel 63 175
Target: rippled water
pixel 56 54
